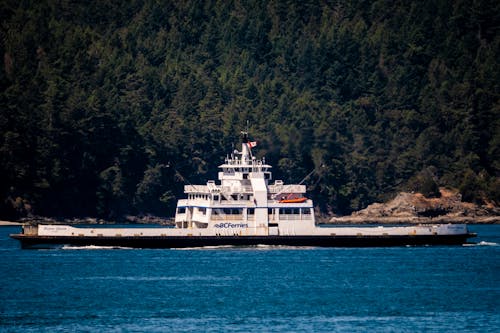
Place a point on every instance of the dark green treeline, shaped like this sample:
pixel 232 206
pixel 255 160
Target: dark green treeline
pixel 106 105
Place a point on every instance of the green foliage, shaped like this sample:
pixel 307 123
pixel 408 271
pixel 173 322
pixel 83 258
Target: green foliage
pixel 96 99
pixel 110 193
pixel 424 183
pixel 152 196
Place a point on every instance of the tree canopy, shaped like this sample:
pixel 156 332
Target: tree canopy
pixel 108 107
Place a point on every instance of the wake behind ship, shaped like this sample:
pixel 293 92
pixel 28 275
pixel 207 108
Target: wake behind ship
pixel 245 208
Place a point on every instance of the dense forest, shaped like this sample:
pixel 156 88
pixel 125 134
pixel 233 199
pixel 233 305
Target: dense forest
pixel 109 107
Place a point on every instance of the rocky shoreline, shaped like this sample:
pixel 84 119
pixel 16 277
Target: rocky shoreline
pixel 9 223
pixel 414 208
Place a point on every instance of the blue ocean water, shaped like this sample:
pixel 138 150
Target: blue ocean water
pixel 260 289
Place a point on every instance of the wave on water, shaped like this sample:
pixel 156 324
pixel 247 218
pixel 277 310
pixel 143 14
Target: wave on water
pixel 483 243
pixel 215 247
pixel 283 247
pixel 94 247
pixel 139 278
pixel 247 247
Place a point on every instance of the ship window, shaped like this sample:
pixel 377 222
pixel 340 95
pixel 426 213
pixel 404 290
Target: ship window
pixel 181 210
pixel 233 211
pixel 201 225
pixel 269 210
pixel 216 197
pixel 290 211
pixel 202 210
pixel 250 211
pixel 306 211
pixel 245 176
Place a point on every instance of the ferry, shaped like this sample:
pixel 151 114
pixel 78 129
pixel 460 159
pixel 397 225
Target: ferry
pixel 245 208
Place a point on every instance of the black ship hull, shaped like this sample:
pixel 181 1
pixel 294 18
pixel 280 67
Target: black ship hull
pixel 156 242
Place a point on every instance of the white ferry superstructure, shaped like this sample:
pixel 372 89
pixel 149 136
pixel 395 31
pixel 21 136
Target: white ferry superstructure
pixel 245 203
pixel 246 208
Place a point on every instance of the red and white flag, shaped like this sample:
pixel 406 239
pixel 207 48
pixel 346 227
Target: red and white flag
pixel 252 144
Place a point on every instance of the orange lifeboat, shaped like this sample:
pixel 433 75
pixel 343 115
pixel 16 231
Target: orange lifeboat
pixel 290 199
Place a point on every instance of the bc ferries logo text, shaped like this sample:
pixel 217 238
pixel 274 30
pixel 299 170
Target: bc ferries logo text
pixel 231 225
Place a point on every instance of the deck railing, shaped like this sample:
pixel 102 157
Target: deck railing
pixel 227 217
pixel 292 188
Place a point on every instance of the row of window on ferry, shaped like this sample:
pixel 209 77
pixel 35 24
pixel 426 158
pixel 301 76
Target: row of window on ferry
pixel 216 196
pixel 250 211
pixel 267 175
pixel 246 170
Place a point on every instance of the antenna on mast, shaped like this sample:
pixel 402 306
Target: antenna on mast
pixel 245 131
pixel 246 152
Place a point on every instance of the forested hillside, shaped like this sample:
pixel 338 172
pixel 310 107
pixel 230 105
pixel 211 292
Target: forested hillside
pixel 108 107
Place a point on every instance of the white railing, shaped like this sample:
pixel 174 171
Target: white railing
pixel 236 189
pixel 226 217
pixel 196 189
pixel 212 188
pixel 293 188
pixel 292 217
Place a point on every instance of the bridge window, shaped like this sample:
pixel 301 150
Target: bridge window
pixel 290 211
pixel 289 214
pixel 233 211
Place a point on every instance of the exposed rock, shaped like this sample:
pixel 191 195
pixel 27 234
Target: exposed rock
pixel 415 208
